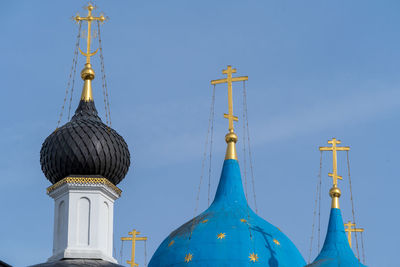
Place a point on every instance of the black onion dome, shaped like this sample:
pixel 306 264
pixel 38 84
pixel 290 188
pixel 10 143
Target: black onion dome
pixel 85 146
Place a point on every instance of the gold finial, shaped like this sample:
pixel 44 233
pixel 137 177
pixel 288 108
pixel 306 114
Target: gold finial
pixel 349 230
pixel 231 137
pixel 335 191
pixel 87 73
pixel 134 238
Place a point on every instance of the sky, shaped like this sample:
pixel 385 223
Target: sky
pixel 317 70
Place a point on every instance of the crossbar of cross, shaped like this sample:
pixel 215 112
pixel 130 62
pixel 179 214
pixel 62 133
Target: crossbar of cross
pixel 89 18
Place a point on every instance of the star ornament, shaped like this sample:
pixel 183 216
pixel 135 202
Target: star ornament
pixel 188 257
pixel 253 257
pixel 171 243
pixel 276 242
pixel 221 236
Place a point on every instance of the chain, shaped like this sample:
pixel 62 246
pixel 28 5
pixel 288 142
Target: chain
pixel 71 78
pixel 246 127
pixel 211 143
pixel 244 144
pixel 121 251
pixel 362 244
pixel 145 253
pixel 315 206
pixel 319 203
pixel 249 146
pixel 104 80
pixel 210 119
pixel 352 202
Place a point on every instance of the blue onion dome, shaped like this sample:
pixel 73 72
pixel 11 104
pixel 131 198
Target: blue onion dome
pixel 336 250
pixel 85 145
pixel 228 233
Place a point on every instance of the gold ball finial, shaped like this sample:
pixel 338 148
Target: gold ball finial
pixel 231 137
pixel 335 192
pixel 87 73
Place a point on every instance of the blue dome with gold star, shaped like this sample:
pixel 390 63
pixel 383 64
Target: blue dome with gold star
pixel 228 233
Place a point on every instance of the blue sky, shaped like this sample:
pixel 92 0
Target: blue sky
pixel 317 70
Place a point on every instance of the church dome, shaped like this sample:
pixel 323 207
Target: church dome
pixel 228 233
pixel 85 145
pixel 336 250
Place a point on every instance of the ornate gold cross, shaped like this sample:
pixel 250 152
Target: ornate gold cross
pixel 89 20
pixel 334 148
pixel 134 238
pixel 349 230
pixel 229 81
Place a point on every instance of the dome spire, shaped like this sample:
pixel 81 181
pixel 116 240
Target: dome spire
pixel 231 137
pixel 335 191
pixel 87 73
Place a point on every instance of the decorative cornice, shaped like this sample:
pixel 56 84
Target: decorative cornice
pixel 84 181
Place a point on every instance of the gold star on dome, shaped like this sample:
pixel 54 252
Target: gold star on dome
pixel 243 220
pixel 171 243
pixel 221 236
pixel 188 257
pixel 277 242
pixel 253 257
pixel 204 221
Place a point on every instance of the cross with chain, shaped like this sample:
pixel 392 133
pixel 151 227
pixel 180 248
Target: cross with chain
pixel 334 149
pixel 89 20
pixel 229 81
pixel 349 230
pixel 134 238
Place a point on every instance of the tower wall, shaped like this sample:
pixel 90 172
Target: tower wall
pixel 83 218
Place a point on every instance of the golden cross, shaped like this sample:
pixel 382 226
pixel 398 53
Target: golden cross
pixel 134 238
pixel 89 20
pixel 349 230
pixel 334 148
pixel 229 81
